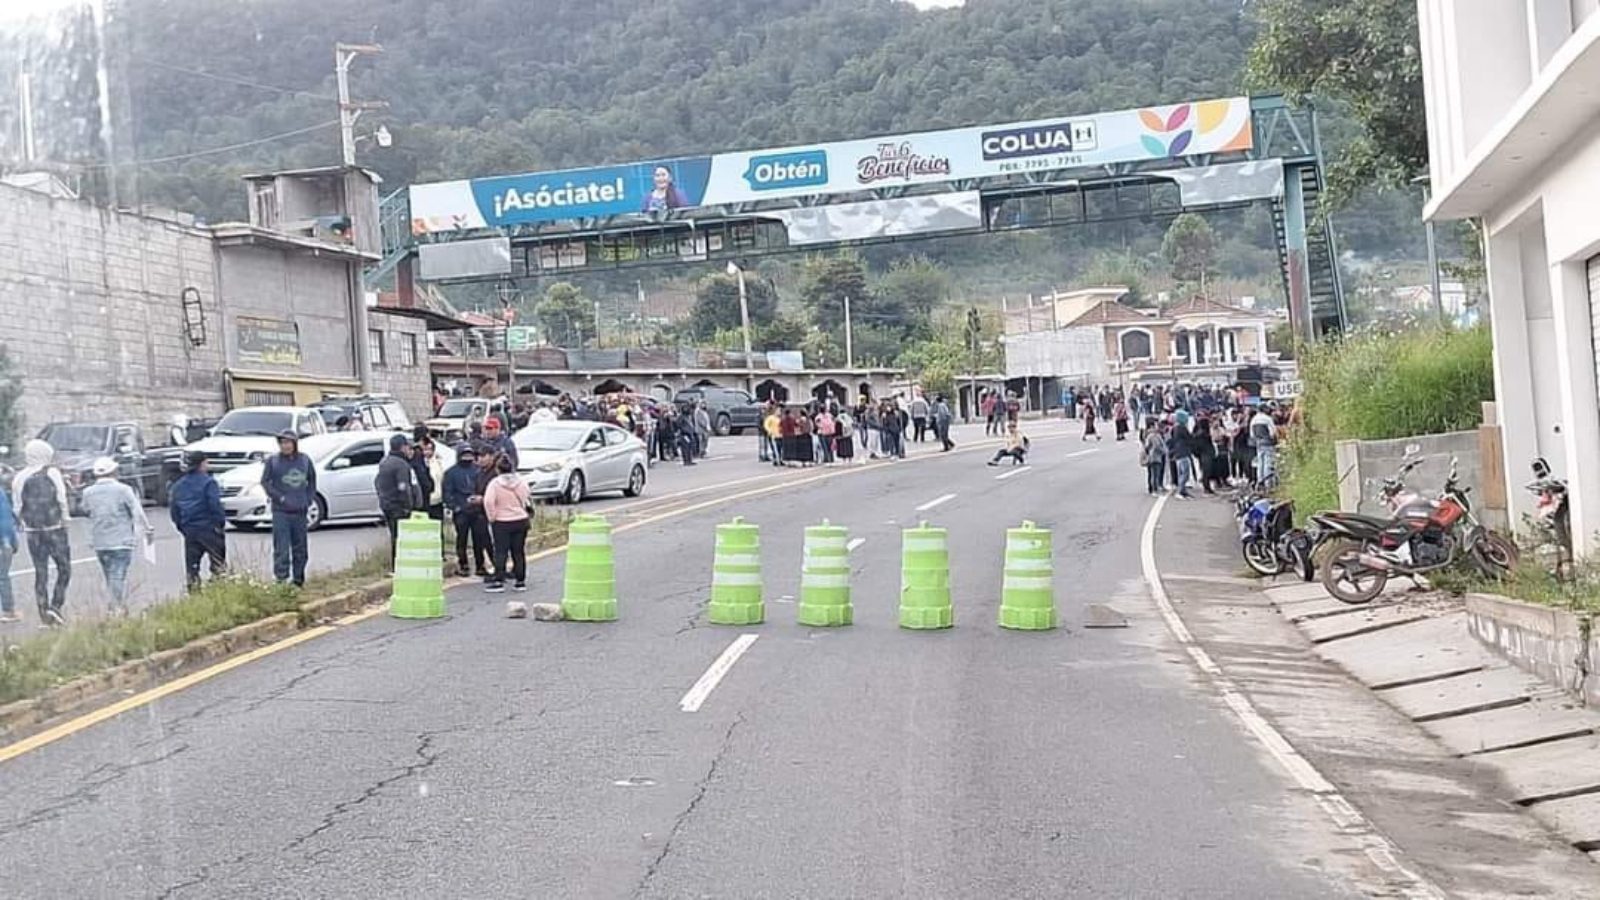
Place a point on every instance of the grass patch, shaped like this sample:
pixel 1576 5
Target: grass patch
pixel 1531 582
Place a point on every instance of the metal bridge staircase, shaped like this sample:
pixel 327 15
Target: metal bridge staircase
pixel 1325 298
pixel 394 225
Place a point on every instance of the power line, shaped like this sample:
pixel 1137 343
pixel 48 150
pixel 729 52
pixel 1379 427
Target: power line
pixel 230 147
pixel 232 79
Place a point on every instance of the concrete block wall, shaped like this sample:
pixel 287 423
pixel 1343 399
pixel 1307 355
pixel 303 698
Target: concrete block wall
pixel 91 313
pixel 313 293
pixel 1362 465
pixel 411 385
pixel 1553 644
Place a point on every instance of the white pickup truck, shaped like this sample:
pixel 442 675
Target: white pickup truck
pixel 250 434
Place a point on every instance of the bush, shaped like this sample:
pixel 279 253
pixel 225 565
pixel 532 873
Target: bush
pixel 1375 386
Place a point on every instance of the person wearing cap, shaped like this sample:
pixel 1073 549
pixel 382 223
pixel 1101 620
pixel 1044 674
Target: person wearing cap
pixel 396 484
pixel 40 495
pixel 498 442
pixel 196 508
pixel 465 505
pixel 290 481
pixel 117 524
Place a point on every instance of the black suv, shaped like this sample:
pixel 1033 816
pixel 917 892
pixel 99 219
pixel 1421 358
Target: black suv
pixel 731 410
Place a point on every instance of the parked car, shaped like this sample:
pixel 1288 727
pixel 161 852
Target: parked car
pixel 346 463
pixel 450 425
pixel 378 412
pixel 573 459
pixel 250 434
pixel 148 470
pixel 732 410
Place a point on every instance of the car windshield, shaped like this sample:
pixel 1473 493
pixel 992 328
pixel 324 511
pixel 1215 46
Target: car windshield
pixel 330 414
pixel 455 409
pixel 254 421
pixel 75 437
pixel 549 437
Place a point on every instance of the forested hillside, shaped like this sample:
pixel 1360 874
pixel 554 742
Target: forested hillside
pixel 478 87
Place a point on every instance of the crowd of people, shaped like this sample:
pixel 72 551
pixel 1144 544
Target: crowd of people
pixel 830 433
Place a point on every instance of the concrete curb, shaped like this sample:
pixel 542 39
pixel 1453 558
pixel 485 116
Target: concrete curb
pixel 82 694
pixel 1557 645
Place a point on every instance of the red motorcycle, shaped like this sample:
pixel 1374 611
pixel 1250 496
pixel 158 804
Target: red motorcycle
pixel 1423 535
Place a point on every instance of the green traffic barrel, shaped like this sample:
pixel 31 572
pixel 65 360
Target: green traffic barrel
pixel 825 577
pixel 418 586
pixel 736 575
pixel 1027 594
pixel 589 593
pixel 925 578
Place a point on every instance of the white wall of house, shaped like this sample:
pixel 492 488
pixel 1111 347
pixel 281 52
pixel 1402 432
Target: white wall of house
pixel 1514 136
pixel 1064 353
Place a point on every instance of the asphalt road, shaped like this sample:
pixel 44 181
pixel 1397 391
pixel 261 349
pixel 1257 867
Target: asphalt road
pixel 476 756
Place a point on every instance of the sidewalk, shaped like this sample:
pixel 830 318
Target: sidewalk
pixel 1447 812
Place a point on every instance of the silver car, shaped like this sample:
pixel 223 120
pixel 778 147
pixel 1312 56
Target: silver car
pixel 346 463
pixel 573 459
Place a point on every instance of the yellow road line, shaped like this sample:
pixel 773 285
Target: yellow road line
pixel 144 698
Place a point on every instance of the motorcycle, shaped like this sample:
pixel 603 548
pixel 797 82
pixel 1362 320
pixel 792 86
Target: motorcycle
pixel 1422 535
pixel 1551 520
pixel 1269 540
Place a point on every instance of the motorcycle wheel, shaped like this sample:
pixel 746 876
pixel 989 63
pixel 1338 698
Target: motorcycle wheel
pixel 1347 580
pixel 1493 555
pixel 1261 558
pixel 1299 548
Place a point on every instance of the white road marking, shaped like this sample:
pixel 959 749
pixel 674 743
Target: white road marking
pixel 1349 820
pixel 854 543
pixel 1013 473
pixel 946 498
pixel 713 676
pixel 1083 452
pixel 723 456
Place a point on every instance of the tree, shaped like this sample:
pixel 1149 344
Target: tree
pixel 1190 249
pixel 782 333
pixel 566 315
pixel 826 281
pixel 1363 55
pixel 915 285
pixel 1119 269
pixel 716 305
pixel 821 350
pixel 10 400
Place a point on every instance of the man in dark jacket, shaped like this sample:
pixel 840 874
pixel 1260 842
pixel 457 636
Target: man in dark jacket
pixel 465 504
pixel 196 506
pixel 498 442
pixel 396 484
pixel 290 481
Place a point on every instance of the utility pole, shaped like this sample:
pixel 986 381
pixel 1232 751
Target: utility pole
pixel 849 337
pixel 744 322
pixel 25 103
pixel 350 111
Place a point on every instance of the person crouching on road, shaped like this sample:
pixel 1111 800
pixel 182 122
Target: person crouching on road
pixel 40 495
pixel 196 508
pixel 290 481
pixel 117 524
pixel 461 498
pixel 506 504
pixel 1016 446
pixel 398 493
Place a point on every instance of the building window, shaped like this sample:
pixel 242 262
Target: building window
pixel 1135 345
pixel 268 398
pixel 408 351
pixel 375 346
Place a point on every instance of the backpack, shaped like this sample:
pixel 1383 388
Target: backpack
pixel 41 506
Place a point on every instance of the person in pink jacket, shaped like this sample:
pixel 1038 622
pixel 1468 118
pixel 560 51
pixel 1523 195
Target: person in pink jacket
pixel 505 503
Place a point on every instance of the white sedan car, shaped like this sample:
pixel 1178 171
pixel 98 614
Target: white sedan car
pixel 346 462
pixel 573 459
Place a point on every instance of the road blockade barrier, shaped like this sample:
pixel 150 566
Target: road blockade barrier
pixel 825 577
pixel 417 591
pixel 925 578
pixel 1027 595
pixel 736 575
pixel 589 593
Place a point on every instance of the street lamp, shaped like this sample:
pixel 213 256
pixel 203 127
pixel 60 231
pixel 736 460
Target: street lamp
pixel 744 323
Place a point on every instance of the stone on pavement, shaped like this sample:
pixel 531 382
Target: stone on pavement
pixel 1099 615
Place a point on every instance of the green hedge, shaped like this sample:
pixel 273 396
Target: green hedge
pixel 1376 386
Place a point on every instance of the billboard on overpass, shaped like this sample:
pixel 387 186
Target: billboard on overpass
pixel 842 167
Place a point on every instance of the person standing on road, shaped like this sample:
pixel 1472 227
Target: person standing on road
pixel 1119 415
pixel 894 431
pixel 461 498
pixel 506 505
pixel 688 445
pixel 195 504
pixel 1264 440
pixel 398 493
pixel 827 429
pixel 117 524
pixel 498 442
pixel 290 480
pixel 941 422
pixel 844 440
pixel 919 417
pixel 1153 456
pixel 702 429
pixel 41 497
pixel 1089 415
pixel 8 549
pixel 1180 450
pixel 434 496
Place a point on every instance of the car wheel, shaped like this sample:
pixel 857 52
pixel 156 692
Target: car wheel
pixel 635 482
pixel 724 425
pixel 316 514
pixel 575 489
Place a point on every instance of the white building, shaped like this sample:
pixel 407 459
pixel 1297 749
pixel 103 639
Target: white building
pixel 1513 97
